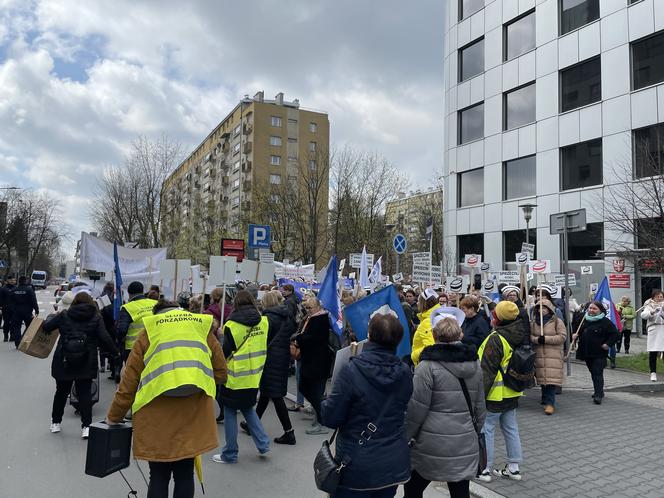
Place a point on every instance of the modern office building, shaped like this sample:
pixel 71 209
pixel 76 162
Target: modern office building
pixel 554 103
pixel 260 146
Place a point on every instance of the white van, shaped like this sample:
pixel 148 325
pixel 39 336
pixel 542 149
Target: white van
pixel 38 279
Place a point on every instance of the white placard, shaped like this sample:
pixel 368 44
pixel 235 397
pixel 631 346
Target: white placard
pixel 421 272
pixel 521 258
pixel 528 248
pixel 457 283
pixel 196 280
pixel 184 270
pixel 436 274
pixel 586 270
pixel 356 260
pixel 472 260
pixel 167 270
pixel 266 257
pixel 223 269
pixel 508 277
pixel 248 270
pixel 594 287
pixel 560 279
pixel 485 266
pixel 351 275
pixel 266 273
pixel 421 257
pixel 342 264
pixel 540 266
pixel 397 277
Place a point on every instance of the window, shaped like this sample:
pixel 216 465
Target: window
pixel 292 140
pixel 471 60
pixel 648 61
pixel 236 166
pixel 512 240
pixel 275 160
pixel 471 123
pixel 576 13
pixel 470 187
pixel 649 233
pixel 519 107
pixel 292 156
pixel 520 36
pixel 581 84
pixel 275 179
pixel 236 184
pixel 581 164
pixel 313 127
pixel 236 148
pixel 519 178
pixel 275 141
pixel 469 7
pixel 312 164
pixel 292 122
pixel 236 201
pixel 236 130
pixel 276 121
pixel 312 146
pixel 582 246
pixel 470 244
pixel 649 151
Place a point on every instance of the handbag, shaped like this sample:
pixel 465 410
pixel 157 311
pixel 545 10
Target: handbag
pixel 481 441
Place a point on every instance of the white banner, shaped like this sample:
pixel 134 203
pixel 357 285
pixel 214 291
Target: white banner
pixel 305 272
pixel 97 255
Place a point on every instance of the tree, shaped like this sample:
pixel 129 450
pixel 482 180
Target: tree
pixel 127 206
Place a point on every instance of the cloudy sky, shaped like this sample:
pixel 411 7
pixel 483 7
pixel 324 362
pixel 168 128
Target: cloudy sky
pixel 80 80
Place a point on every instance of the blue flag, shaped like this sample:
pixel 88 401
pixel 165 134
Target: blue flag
pixel 300 287
pixel 359 313
pixel 603 295
pixel 117 302
pixel 328 295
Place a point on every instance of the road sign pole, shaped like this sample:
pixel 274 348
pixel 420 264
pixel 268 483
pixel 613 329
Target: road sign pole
pixel 398 270
pixel 566 296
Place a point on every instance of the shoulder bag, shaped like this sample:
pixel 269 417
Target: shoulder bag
pixel 481 441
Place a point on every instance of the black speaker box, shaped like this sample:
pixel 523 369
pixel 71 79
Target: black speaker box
pixel 109 449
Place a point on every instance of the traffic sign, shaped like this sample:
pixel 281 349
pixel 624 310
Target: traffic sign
pixel 2 263
pixel 399 244
pixel 259 236
pixel 570 221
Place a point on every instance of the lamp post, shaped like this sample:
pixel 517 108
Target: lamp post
pixel 527 216
pixel 388 228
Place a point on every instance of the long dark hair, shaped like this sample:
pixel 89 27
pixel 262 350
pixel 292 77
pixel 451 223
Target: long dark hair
pixel 244 298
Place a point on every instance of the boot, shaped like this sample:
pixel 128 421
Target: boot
pixel 549 409
pixel 613 363
pixel 287 438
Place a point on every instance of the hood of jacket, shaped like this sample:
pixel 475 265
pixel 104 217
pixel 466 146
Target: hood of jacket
pixel 427 313
pixel 459 358
pixel 280 311
pixel 534 312
pixel 512 331
pixel 82 312
pixel 380 366
pixel 246 315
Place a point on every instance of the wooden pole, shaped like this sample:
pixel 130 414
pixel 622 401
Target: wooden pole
pixel 175 282
pixel 203 296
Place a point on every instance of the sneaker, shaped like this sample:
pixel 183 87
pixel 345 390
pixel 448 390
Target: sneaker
pixel 219 459
pixel 220 419
pixel 653 377
pixel 317 429
pixel 85 432
pixel 55 428
pixel 295 408
pixel 264 452
pixel 506 472
pixel 286 438
pixel 102 369
pixel 485 476
pixel 308 410
pixel 597 400
pixel 549 409
pixel 245 427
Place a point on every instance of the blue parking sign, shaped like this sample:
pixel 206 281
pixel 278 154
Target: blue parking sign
pixel 259 236
pixel 399 243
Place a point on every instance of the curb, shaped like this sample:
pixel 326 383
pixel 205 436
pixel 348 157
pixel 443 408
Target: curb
pixel 638 388
pixel 479 491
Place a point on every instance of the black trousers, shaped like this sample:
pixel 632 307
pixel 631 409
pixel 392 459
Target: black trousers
pixel 18 319
pixel 62 390
pixel 313 390
pixel 652 361
pixel 6 321
pixel 625 337
pixel 279 407
pixel 596 368
pixel 417 484
pixel 160 477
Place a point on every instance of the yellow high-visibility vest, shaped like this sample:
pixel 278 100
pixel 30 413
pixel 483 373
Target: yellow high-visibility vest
pixel 178 358
pixel 499 391
pixel 245 367
pixel 138 309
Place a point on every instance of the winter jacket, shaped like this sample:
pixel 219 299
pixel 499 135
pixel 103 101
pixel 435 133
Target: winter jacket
pixel 79 319
pixel 5 293
pixel 445 447
pixel 23 299
pixel 475 330
pixel 654 325
pixel 627 315
pixel 493 355
pixel 549 361
pixel 373 382
pixel 423 335
pixel 239 398
pixel 215 310
pixel 124 321
pixel 591 337
pixel 107 317
pixel 316 357
pixel 274 382
pixel 168 428
pixel 292 302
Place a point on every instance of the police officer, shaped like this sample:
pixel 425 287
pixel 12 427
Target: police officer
pixel 5 298
pixel 130 319
pixel 23 302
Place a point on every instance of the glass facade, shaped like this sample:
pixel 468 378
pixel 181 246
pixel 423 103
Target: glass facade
pixel 648 61
pixel 581 84
pixel 471 123
pixel 581 164
pixel 520 107
pixel 519 178
pixel 520 36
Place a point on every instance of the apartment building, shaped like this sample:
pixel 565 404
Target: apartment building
pixel 261 144
pixel 553 103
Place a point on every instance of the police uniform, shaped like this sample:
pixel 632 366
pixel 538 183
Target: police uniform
pixel 23 302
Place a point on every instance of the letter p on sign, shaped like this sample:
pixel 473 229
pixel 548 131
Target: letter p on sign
pixel 259 236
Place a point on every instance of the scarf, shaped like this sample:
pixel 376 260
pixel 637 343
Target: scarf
pixel 590 318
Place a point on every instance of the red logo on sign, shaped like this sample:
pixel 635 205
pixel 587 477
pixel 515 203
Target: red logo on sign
pixel 619 265
pixel 473 260
pixel 539 266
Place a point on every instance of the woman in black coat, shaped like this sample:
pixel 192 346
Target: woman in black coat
pixel 274 381
pixel 81 330
pixel 596 336
pixel 475 327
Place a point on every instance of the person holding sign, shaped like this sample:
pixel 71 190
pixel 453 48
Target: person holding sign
pixel 426 304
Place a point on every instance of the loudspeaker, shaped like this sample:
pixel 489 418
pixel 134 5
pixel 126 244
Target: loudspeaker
pixel 109 449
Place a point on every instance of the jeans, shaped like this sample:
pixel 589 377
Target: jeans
pixel 626 336
pixel 230 450
pixel 373 493
pixel 549 395
pixel 415 487
pixel 596 368
pixel 313 390
pixel 300 397
pixel 62 390
pixel 612 352
pixel 279 407
pixel 510 431
pixel 160 477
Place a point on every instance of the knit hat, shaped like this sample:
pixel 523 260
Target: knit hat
pixel 66 300
pixel 507 311
pixel 510 288
pixel 135 288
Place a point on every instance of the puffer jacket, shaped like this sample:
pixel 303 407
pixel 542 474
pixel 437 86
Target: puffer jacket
pixel 593 335
pixel 79 318
pixel 438 419
pixel 274 381
pixel 359 397
pixel 549 361
pixel 423 336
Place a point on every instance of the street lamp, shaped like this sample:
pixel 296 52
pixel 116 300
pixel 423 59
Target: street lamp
pixel 527 216
pixel 388 228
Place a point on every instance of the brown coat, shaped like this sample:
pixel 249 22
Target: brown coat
pixel 549 362
pixel 168 428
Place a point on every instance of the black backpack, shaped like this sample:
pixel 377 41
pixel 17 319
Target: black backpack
pixel 75 349
pixel 520 372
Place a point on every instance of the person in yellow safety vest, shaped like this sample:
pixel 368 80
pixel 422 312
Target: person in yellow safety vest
pixel 427 302
pixel 245 346
pixel 501 401
pixel 169 382
pixel 130 319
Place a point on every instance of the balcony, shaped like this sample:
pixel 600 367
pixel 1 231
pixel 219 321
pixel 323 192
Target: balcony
pixel 246 205
pixel 248 128
pixel 247 148
pixel 225 180
pixel 246 185
pixel 246 166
